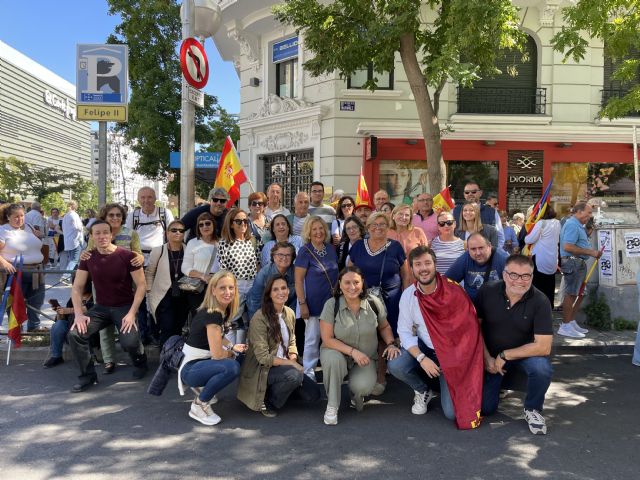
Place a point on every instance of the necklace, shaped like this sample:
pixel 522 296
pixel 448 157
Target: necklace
pixel 175 261
pixel 320 253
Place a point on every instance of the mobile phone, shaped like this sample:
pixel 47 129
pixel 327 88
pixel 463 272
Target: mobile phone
pixel 54 304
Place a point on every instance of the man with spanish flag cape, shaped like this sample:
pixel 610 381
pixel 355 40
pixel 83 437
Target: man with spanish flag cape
pixel 448 345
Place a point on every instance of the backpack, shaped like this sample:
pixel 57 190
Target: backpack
pixel 372 304
pixel 162 214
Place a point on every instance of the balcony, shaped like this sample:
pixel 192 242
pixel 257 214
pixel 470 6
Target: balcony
pixel 502 100
pixel 608 93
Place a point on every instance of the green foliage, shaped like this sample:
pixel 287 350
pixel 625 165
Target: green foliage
pixel 617 24
pixel 621 323
pixel 53 200
pixel 152 29
pixel 86 194
pixel 598 312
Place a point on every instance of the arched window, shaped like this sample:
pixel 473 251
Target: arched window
pixel 514 91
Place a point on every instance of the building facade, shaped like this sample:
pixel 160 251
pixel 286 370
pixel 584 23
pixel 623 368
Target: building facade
pixel 513 134
pixel 37 116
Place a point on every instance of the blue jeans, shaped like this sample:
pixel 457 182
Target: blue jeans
pixel 33 297
pixel 538 371
pixel 73 259
pixel 407 369
pixel 58 336
pixel 636 350
pixel 213 375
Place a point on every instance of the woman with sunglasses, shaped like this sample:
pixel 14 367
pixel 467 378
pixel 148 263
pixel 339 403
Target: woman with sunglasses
pixel 259 224
pixel 121 236
pixel 470 222
pixel 280 230
pixel 167 303
pixel 353 231
pixel 344 211
pixel 238 253
pixel 446 245
pixel 199 257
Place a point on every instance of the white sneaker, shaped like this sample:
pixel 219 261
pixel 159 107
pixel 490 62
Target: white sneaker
pixel 203 413
pixel 421 402
pixel 536 422
pixel 577 327
pixel 567 330
pixel 198 391
pixel 331 416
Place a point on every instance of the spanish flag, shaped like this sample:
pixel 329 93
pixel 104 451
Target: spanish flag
pixel 443 201
pixel 362 192
pixel 230 173
pixel 17 309
pixel 537 213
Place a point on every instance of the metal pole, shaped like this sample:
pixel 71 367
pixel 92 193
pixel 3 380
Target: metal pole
pixel 187 129
pixel 636 168
pixel 102 163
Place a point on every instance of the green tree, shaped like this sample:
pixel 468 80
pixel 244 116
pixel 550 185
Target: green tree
pixel 617 24
pixel 53 200
pixel 10 178
pixel 18 177
pixel 152 30
pixel 431 36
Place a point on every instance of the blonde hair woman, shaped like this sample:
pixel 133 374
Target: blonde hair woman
pixel 209 362
pixel 402 230
pixel 470 223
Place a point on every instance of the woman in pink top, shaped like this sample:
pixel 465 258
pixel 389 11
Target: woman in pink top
pixel 404 231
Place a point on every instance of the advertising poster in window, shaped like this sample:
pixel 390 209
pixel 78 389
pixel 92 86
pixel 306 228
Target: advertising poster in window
pixel 403 179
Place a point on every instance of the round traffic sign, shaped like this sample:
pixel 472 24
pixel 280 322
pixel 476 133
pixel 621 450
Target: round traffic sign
pixel 193 62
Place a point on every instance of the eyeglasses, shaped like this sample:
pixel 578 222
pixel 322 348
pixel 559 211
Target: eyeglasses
pixel 379 226
pixel 114 215
pixel 218 200
pixel 206 223
pixel 177 230
pixel 347 205
pixel 317 191
pixel 240 221
pixel 447 222
pixel 352 228
pixel 473 192
pixel 425 199
pixel 283 255
pixel 257 204
pixel 516 276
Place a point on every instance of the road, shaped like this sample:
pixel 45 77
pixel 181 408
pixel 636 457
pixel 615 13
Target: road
pixel 116 431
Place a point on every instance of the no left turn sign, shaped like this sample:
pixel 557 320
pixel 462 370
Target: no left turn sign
pixel 193 62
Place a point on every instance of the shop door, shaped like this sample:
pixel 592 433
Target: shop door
pixel 292 170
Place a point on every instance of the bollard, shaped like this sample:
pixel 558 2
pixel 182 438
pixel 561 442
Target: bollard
pixel 636 351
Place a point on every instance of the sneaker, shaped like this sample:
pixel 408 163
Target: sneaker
pixel 421 402
pixel 357 402
pixel 52 362
pixel 198 391
pixel 268 412
pixel 577 327
pixel 331 416
pixel 84 383
pixel 566 330
pixel 202 412
pixel 378 389
pixel 536 422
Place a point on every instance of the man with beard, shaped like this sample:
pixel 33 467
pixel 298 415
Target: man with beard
pixel 446 345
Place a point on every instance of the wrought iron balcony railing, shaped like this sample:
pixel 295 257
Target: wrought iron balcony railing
pixel 502 100
pixel 608 93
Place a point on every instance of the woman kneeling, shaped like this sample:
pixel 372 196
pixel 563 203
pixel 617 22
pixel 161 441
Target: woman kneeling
pixel 209 362
pixel 350 341
pixel 271 373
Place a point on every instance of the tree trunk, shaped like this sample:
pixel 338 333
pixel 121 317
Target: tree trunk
pixel 426 114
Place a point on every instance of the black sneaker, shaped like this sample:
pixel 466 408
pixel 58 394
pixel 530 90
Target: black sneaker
pixel 52 362
pixel 139 372
pixel 268 412
pixel 84 384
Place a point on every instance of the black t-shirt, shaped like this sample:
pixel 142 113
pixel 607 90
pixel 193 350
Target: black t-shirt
pixel 198 333
pixel 191 218
pixel 507 326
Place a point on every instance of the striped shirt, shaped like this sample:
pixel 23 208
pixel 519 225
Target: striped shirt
pixel 446 252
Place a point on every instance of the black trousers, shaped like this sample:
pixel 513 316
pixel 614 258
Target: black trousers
pixel 284 380
pixel 544 282
pixel 171 315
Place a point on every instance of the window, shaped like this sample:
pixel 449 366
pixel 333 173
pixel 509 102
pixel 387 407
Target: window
pixel 360 77
pixel 286 75
pixel 613 88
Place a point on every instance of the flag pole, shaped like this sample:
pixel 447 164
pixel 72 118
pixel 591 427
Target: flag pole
pixel 589 273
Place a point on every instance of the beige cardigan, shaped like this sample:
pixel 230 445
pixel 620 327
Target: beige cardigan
pixel 158 277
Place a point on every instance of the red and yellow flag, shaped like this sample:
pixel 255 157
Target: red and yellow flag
pixel 443 201
pixel 17 309
pixel 230 173
pixel 362 192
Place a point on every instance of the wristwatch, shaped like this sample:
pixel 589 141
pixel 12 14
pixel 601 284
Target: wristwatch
pixel 501 355
pixel 420 357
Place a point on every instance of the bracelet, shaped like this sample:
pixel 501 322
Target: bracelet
pixel 302 302
pixel 351 352
pixel 420 357
pixel 391 344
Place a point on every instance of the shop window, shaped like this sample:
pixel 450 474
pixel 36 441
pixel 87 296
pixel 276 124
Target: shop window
pixel 460 172
pixel 286 76
pixel 360 77
pixel 613 183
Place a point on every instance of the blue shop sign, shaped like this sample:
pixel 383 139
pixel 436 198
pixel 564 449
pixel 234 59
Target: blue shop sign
pixel 202 159
pixel 285 50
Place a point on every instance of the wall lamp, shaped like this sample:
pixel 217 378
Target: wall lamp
pixel 412 141
pixel 565 145
pixel 254 82
pixel 489 143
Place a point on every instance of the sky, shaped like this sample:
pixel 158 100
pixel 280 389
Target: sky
pixel 47 31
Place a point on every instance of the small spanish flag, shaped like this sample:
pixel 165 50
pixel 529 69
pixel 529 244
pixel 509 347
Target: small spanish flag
pixel 443 200
pixel 230 173
pixel 17 309
pixel 362 192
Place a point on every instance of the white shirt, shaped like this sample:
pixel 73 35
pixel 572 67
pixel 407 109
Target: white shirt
pixel 197 256
pixel 151 236
pixel 325 212
pixel 272 213
pixel 17 241
pixel 34 218
pixel 72 230
pixel 409 316
pixel 545 237
pixel 284 331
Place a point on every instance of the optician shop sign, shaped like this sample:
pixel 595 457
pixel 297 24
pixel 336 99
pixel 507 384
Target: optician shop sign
pixel 285 50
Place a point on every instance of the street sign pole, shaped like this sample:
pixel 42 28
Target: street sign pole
pixel 102 163
pixel 187 129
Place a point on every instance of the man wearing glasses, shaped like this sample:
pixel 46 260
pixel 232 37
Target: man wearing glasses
pixel 517 328
pixel 218 198
pixel 425 217
pixel 488 215
pixel 481 263
pixel 322 210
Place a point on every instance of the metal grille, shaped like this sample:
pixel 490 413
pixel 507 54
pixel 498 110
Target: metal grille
pixel 292 170
pixel 523 101
pixel 608 93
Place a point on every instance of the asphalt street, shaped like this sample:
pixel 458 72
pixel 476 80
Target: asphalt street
pixel 116 430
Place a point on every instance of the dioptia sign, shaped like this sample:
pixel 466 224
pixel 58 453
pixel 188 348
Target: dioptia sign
pixel 60 103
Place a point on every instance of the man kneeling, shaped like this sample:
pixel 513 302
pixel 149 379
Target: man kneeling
pixel 517 329
pixel 113 277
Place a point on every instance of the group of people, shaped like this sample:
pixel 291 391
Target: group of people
pixel 431 297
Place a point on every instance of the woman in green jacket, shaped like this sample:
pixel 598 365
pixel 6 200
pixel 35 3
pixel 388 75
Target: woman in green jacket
pixel 270 372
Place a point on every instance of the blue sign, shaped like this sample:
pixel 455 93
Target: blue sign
pixel 202 159
pixel 347 106
pixel 102 74
pixel 285 50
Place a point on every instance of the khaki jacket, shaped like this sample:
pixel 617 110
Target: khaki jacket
pixel 262 350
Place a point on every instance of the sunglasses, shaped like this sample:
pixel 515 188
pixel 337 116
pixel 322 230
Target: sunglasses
pixel 448 222
pixel 114 215
pixel 177 230
pixel 257 204
pixel 241 221
pixel 218 200
pixel 206 223
pixel 467 192
pixel 347 205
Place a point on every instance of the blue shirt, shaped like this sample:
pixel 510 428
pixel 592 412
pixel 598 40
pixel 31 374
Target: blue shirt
pixel 254 296
pixel 573 232
pixel 320 278
pixel 465 268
